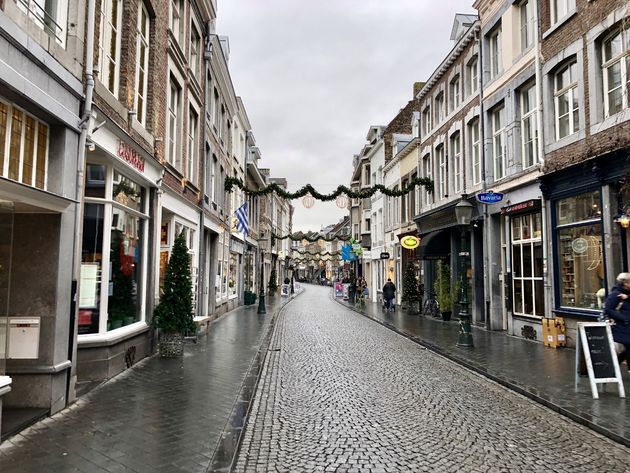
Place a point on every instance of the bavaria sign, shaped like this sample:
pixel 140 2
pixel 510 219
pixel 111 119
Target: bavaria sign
pixel 489 197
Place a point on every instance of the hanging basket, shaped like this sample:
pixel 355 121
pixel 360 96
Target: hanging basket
pixel 171 345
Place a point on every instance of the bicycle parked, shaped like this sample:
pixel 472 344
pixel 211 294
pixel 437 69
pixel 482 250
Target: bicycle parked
pixel 431 306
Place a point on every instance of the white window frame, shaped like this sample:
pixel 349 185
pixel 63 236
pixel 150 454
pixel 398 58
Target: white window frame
pixel 571 90
pixel 176 19
pixel 5 165
pixel 560 9
pixel 427 170
pixel 497 119
pixel 622 59
pixel 194 59
pixel 174 156
pixel 440 155
pixel 142 64
pixel 455 150
pixel 475 150
pixel 455 96
pixel 526 23
pixel 472 74
pixel 494 48
pixel 52 17
pixel 439 103
pixel 426 120
pixel 529 117
pixel 520 243
pixel 192 160
pixel 109 66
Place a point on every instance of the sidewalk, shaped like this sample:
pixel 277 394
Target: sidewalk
pixel 543 374
pixel 163 415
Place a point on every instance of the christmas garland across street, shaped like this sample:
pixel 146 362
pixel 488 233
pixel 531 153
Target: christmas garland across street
pixel 231 182
pixel 327 253
pixel 301 236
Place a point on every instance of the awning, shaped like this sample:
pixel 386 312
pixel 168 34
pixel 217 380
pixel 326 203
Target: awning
pixel 435 245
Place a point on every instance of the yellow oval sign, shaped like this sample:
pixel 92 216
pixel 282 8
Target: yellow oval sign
pixel 410 242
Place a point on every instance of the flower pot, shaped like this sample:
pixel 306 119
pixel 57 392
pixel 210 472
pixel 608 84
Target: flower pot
pixel 171 344
pixel 446 316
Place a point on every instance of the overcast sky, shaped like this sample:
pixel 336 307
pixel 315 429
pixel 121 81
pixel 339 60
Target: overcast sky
pixel 314 75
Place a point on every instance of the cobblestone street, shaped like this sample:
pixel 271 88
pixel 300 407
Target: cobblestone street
pixel 342 393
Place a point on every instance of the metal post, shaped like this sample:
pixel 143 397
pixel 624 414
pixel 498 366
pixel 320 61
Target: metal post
pixel 261 294
pixel 464 339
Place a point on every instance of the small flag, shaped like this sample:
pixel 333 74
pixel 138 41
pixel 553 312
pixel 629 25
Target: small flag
pixel 242 219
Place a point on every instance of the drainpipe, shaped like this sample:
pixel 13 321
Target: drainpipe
pixel 484 187
pixel 203 274
pixel 80 183
pixel 541 158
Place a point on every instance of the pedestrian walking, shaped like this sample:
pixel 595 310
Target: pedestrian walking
pixel 617 308
pixel 389 292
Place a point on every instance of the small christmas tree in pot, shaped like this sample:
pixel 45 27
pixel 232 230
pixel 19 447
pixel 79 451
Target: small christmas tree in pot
pixel 410 294
pixel 173 316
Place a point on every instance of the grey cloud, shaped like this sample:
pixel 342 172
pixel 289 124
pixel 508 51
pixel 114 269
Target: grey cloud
pixel 315 74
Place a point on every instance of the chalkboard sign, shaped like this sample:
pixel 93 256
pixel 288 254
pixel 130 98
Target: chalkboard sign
pixel 601 355
pixel 595 342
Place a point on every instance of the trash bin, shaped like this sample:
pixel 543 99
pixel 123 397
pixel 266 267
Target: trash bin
pixel 554 332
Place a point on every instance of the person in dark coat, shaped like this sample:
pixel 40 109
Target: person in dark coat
pixel 389 292
pixel 617 308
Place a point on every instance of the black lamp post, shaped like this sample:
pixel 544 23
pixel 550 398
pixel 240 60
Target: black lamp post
pixel 463 214
pixel 261 293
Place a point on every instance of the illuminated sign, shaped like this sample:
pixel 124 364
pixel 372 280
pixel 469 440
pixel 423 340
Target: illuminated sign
pixel 410 242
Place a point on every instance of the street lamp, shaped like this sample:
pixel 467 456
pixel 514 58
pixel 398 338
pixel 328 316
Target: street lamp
pixel 261 293
pixel 463 214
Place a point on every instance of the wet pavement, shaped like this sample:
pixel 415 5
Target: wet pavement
pixel 163 415
pixel 543 374
pixel 339 392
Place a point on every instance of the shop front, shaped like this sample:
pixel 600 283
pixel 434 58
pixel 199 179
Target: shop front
pixel 37 228
pixel 437 256
pixel 235 271
pixel 118 262
pixel 588 208
pixel 523 268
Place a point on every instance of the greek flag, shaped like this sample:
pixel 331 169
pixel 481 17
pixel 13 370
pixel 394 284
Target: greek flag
pixel 242 219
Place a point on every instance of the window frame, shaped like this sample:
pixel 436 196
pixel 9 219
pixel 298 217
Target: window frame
pixel 427 171
pixel 498 133
pixel 530 116
pixel 142 86
pixel 174 125
pixel 623 59
pixel 192 146
pixel 5 164
pixel 532 241
pixel 475 150
pixel 569 7
pixel 494 49
pixel 472 73
pixel 106 74
pixel 455 150
pixel 572 91
pixel 442 170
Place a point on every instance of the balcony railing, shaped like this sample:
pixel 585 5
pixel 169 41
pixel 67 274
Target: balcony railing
pixel 43 19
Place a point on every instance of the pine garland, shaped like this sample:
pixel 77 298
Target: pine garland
pixel 301 236
pixel 231 182
pixel 306 252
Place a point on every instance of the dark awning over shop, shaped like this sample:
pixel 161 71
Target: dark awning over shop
pixel 436 245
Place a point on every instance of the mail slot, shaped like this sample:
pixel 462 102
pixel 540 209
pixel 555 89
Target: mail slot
pixel 23 343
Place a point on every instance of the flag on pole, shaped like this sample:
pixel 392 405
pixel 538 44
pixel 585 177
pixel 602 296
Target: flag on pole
pixel 242 219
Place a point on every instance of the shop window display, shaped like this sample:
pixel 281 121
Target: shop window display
pixel 580 256
pixel 111 281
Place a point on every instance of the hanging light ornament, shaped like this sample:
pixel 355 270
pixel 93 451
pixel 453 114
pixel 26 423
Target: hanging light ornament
pixel 342 202
pixel 308 201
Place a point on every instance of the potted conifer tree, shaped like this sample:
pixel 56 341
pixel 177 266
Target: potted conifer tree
pixel 173 316
pixel 443 290
pixel 410 294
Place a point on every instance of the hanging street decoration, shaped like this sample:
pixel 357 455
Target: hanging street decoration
pixel 231 182
pixel 308 201
pixel 300 236
pixel 342 202
pixel 306 252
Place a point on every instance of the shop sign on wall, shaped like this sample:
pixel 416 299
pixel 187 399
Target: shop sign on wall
pixel 489 197
pixel 130 155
